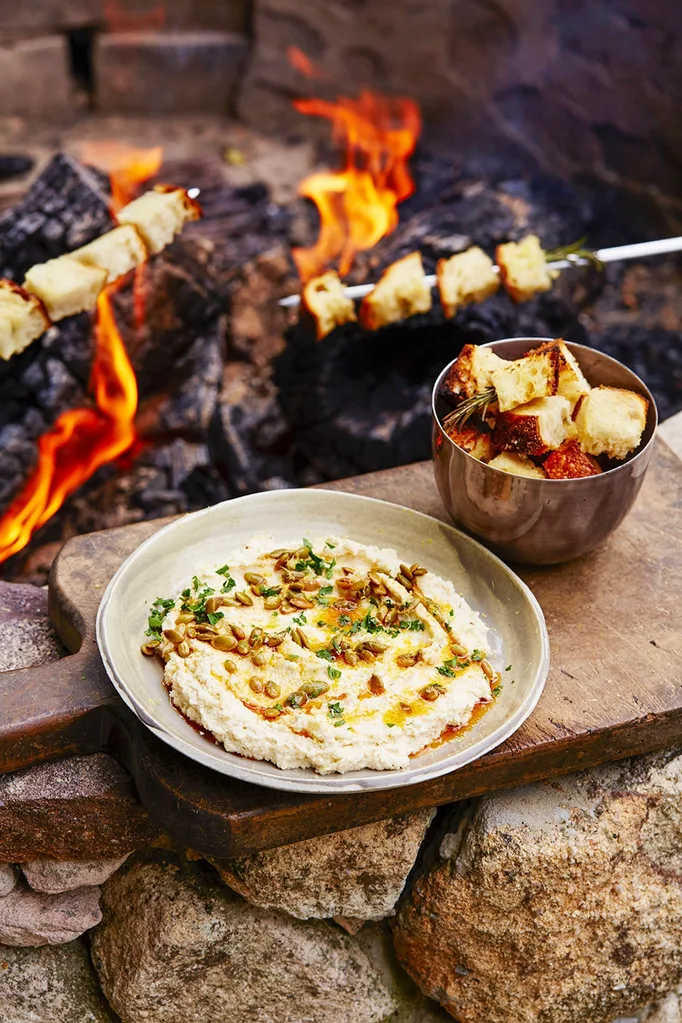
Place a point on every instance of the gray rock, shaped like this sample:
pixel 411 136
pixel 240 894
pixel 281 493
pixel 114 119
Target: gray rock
pixel 356 874
pixel 29 918
pixel 559 902
pixel 669 1010
pixel 26 635
pixel 81 808
pixel 175 946
pixel 8 879
pixel 50 985
pixel 53 876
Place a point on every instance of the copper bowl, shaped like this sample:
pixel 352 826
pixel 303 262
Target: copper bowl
pixel 540 521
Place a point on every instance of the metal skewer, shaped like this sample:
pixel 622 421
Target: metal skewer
pixel 639 250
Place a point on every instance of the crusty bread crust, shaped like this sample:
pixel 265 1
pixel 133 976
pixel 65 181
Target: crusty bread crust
pixel 472 372
pixel 533 429
pixel 401 291
pixel 325 300
pixel 465 278
pixel 569 463
pixel 523 268
pixel 474 438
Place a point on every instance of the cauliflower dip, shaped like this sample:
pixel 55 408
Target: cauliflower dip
pixel 328 654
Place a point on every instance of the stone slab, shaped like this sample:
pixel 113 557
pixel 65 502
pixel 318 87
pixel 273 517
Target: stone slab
pixel 54 876
pixel 157 72
pixel 34 77
pixel 54 984
pixel 78 808
pixel 26 635
pixel 29 918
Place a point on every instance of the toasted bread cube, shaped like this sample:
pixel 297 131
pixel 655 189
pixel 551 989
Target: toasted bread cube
pixel 65 286
pixel 570 463
pixel 572 382
pixel 611 421
pixel 516 464
pixel 472 373
pixel 159 215
pixel 535 375
pixel 22 319
pixel 535 428
pixel 324 297
pixel 523 268
pixel 467 277
pixel 474 438
pixel 401 291
pixel 118 252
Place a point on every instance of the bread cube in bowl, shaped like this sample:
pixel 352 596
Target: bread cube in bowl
pixel 401 291
pixel 475 438
pixel 464 278
pixel 536 375
pixel 569 462
pixel 517 464
pixel 611 421
pixel 535 428
pixel 472 372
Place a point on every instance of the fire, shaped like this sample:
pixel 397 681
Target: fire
pixel 358 205
pixel 81 440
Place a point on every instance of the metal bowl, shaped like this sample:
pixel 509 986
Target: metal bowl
pixel 540 521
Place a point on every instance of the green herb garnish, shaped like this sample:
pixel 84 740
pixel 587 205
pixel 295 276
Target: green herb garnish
pixel 326 655
pixel 333 673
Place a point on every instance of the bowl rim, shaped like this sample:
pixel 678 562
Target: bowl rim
pixel 532 479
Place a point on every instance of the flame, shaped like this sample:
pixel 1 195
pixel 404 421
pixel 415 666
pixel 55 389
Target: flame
pixel 81 440
pixel 302 62
pixel 358 205
pixel 127 166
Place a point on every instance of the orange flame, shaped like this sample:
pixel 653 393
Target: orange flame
pixel 127 167
pixel 358 205
pixel 302 62
pixel 81 440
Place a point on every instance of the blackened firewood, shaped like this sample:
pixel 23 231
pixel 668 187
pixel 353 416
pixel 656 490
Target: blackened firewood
pixel 64 208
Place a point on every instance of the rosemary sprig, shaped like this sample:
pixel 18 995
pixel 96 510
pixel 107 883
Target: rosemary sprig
pixel 574 249
pixel 469 407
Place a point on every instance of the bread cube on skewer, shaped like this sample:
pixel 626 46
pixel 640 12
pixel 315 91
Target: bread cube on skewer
pixel 535 428
pixel 464 278
pixel 517 464
pixel 401 291
pixel 523 268
pixel 65 286
pixel 325 299
pixel 611 421
pixel 474 438
pixel 22 318
pixel 118 252
pixel 159 215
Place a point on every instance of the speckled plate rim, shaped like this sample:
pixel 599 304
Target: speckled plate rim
pixel 346 509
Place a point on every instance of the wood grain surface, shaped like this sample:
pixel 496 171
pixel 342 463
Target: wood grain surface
pixel 614 689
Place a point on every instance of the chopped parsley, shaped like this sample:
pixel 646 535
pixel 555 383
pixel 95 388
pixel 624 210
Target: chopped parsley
pixel 445 669
pixel 331 546
pixel 160 609
pixel 301 620
pixel 477 655
pixel 335 711
pixel 195 583
pixel 344 619
pixel 450 668
pixel 333 673
pixel 229 581
pixel 270 591
pixel 497 690
pixel 413 626
pixel 326 655
pixel 214 617
pixel 508 668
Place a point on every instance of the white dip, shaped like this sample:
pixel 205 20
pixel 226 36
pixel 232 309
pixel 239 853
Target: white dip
pixel 359 707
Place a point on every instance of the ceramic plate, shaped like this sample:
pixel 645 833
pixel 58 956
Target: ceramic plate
pixel 161 565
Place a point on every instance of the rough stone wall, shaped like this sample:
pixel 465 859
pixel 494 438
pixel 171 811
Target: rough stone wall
pixel 571 86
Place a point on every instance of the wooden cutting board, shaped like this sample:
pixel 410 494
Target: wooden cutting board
pixel 614 689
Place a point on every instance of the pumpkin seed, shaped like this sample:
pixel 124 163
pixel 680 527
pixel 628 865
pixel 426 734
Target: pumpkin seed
pixel 296 587
pixel 404 581
pixel 272 689
pixel 430 693
pixel 244 599
pixel 301 602
pixel 255 590
pixel 487 670
pixel 272 603
pixel 278 553
pixel 256 639
pixel 271 713
pixel 150 648
pixel 184 649
pixel 350 657
pixel 223 642
pixel 258 659
pixel 407 572
pixel 417 570
pixel 297 699
pixel 254 578
pixel 237 632
pixel 458 650
pixel 376 648
pixel 175 635
pixel 366 655
pixel 311 584
pixel 275 640
pixel 406 707
pixel 243 648
pixel 376 686
pixel 302 553
pixel 256 685
pixel 406 660
pixel 184 617
pixel 229 666
pixel 314 689
pixel 212 604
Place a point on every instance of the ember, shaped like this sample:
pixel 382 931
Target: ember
pixel 358 205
